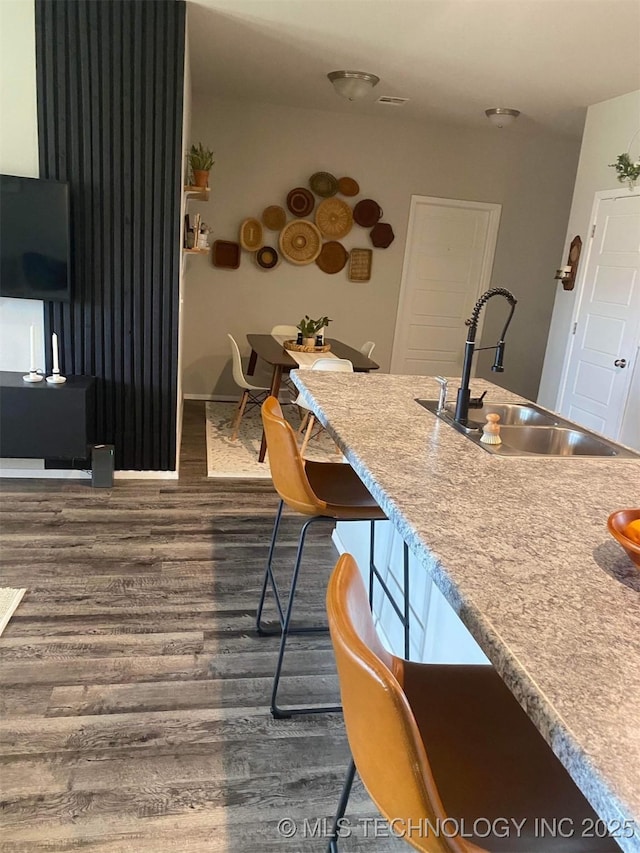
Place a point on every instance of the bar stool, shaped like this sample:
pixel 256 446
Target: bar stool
pixel 323 491
pixel 435 743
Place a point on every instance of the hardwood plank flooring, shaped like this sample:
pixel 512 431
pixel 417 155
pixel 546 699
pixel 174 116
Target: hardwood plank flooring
pixel 133 688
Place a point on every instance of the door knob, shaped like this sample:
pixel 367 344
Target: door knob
pixel 620 362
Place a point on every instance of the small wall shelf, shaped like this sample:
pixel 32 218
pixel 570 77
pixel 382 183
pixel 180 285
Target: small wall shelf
pixel 197 193
pixel 197 251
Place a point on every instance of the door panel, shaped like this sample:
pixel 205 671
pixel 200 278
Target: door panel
pixel 448 261
pixel 607 328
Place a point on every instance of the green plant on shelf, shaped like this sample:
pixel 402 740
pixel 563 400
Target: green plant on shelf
pixel 310 328
pixel 200 158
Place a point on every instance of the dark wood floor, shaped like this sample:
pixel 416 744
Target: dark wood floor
pixel 133 688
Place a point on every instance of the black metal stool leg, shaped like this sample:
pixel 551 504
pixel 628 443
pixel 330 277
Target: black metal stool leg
pixel 405 621
pixel 282 713
pixel 404 614
pixel 372 561
pixel 342 807
pixel 269 579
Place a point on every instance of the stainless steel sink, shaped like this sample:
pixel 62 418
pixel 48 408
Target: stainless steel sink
pixel 513 414
pixel 527 430
pixel 555 441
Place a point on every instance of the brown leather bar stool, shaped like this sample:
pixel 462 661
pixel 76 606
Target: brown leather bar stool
pixel 323 491
pixel 433 742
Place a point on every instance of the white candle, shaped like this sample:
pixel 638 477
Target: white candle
pixel 32 342
pixel 54 345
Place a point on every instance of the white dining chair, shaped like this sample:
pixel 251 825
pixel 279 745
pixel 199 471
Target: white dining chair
pixel 367 348
pixel 289 331
pixel 338 365
pixel 254 395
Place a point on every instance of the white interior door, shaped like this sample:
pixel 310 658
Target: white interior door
pixel 606 331
pixel 447 265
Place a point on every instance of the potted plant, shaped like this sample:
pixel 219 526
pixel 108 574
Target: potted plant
pixel 200 162
pixel 310 328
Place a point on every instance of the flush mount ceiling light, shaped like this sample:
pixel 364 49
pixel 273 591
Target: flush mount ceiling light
pixel 501 117
pixel 353 85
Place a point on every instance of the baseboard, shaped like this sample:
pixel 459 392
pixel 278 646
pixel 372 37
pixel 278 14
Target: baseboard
pixel 70 474
pixel 145 475
pixel 44 474
pixel 213 398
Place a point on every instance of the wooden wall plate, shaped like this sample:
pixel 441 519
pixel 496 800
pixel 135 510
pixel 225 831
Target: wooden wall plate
pixel 226 255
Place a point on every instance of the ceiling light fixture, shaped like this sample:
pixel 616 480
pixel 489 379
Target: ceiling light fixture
pixel 501 117
pixel 353 85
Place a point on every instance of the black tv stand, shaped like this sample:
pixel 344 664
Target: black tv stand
pixel 43 421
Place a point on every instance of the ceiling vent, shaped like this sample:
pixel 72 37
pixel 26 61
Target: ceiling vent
pixel 392 102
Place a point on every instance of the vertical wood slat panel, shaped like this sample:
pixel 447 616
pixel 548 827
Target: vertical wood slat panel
pixel 110 90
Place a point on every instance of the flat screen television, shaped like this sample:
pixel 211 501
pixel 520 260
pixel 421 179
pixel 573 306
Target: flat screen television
pixel 34 239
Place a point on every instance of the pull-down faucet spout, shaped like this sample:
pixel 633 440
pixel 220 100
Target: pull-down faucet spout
pixel 464 394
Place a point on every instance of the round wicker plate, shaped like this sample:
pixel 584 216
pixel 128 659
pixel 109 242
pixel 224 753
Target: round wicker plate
pixel 294 347
pixel 332 257
pixel 367 212
pixel 274 217
pixel 267 258
pixel 251 235
pixel 300 201
pixel 348 186
pixel 334 218
pixel 300 242
pixel 323 184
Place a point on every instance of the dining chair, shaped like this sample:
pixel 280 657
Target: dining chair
pixel 253 395
pixel 338 365
pixel 367 348
pixel 445 746
pixel 323 491
pixel 289 331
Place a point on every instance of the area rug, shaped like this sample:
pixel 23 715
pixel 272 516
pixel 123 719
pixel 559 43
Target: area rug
pixel 9 600
pixel 239 458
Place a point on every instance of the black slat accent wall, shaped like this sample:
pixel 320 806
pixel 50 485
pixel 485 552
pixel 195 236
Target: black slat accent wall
pixel 110 90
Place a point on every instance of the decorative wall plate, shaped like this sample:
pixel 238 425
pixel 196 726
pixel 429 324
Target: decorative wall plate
pixel 274 217
pixel 367 212
pixel 226 255
pixel 267 258
pixel 300 242
pixel 382 235
pixel 348 186
pixel 323 184
pixel 251 235
pixel 360 264
pixel 332 258
pixel 334 218
pixel 300 201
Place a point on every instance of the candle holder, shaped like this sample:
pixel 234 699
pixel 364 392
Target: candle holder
pixel 56 378
pixel 33 376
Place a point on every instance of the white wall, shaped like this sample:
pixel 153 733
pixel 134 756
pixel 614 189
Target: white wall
pixel 18 156
pixel 608 131
pixel 262 151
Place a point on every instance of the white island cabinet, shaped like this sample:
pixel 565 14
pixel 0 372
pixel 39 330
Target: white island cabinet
pixel 437 634
pixel 519 548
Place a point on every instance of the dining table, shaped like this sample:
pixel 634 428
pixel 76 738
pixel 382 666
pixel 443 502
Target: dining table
pixel 272 351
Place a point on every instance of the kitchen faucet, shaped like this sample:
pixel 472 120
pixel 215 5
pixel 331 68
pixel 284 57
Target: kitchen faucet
pixel 464 394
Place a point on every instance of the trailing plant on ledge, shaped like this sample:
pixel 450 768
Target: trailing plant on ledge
pixel 627 171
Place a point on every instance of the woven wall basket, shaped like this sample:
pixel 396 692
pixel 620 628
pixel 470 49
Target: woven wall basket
pixel 334 218
pixel 300 242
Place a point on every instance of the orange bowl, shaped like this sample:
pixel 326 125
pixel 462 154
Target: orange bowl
pixel 617 522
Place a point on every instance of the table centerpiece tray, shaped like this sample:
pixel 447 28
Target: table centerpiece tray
pixel 294 347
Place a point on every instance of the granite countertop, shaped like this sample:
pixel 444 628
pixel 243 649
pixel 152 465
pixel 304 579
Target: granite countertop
pixel 520 548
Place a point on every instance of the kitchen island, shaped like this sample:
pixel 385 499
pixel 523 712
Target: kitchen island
pixel 519 548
